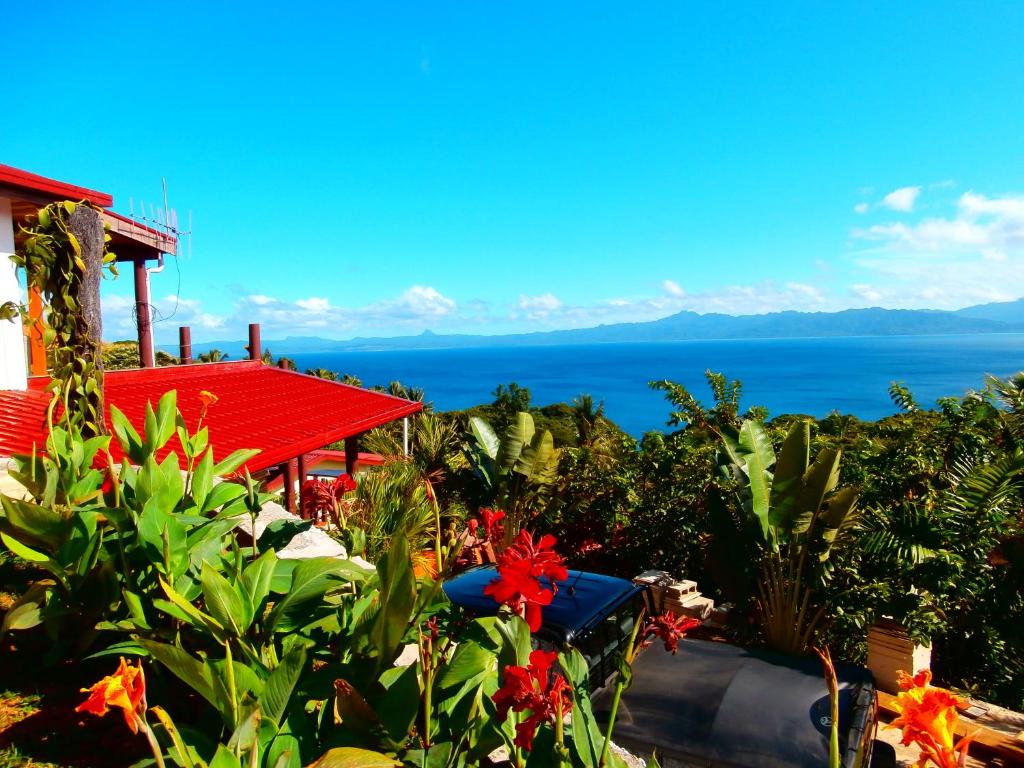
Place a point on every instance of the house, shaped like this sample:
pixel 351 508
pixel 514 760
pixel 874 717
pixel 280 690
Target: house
pixel 286 416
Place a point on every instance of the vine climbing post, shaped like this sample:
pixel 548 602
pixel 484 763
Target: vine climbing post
pixel 64 254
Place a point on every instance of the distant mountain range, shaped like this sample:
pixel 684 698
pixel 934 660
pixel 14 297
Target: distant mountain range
pixel 1004 317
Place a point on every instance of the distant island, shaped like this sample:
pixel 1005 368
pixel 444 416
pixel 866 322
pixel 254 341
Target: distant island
pixel 1002 317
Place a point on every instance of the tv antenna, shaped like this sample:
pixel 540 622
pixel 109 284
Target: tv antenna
pixel 164 220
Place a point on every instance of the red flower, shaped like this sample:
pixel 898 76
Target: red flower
pixel 492 522
pixel 533 688
pixel 928 718
pixel 520 570
pixel 124 690
pixel 670 628
pixel 319 496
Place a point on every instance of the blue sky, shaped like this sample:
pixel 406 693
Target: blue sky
pixel 380 169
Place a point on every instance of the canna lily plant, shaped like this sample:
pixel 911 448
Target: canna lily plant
pixel 928 718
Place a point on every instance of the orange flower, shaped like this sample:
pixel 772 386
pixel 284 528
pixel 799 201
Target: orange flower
pixel 928 717
pixel 207 398
pixel 124 690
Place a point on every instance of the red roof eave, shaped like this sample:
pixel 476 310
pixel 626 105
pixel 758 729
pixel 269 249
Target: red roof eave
pixel 15 177
pixel 281 413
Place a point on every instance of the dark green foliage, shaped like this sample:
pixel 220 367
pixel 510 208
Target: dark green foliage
pixel 119 355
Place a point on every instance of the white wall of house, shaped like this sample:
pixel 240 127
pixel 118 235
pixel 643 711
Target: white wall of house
pixel 13 367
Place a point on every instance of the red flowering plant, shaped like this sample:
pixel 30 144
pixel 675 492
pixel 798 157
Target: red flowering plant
pixel 528 576
pixel 928 717
pixel 124 690
pixel 535 690
pixel 481 539
pixel 326 500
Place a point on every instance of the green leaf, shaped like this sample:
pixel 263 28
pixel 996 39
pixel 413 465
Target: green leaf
pixel 27 611
pixel 353 757
pixel 202 479
pixel 311 579
pixel 223 602
pixel 221 494
pixel 258 577
pixel 470 662
pixel 395 602
pixel 195 616
pixel 194 673
pixel 278 688
pixel 131 442
pixel 484 436
pixel 166 417
pixel 818 481
pixel 38 524
pixel 233 461
pixel 225 758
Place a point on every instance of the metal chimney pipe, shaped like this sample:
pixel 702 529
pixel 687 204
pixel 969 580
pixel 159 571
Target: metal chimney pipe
pixel 185 344
pixel 255 348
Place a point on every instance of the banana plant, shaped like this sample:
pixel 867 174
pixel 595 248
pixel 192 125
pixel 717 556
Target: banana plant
pixel 801 514
pixel 516 470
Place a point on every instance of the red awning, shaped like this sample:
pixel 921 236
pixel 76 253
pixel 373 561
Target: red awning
pixel 282 413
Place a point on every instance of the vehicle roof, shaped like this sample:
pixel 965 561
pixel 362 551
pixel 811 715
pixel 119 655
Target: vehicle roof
pixel 580 601
pixel 720 704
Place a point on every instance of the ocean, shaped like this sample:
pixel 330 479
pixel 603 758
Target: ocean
pixel 808 376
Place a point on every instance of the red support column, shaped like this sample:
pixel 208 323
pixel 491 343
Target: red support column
pixel 185 344
pixel 34 331
pixel 142 317
pixel 352 455
pixel 302 480
pixel 255 346
pixel 289 486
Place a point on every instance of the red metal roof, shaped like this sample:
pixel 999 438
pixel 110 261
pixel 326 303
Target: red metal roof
pixel 59 190
pixel 280 412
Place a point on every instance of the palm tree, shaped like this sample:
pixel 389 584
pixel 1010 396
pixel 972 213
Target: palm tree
pixel 588 419
pixel 352 381
pixel 212 356
pixel 322 373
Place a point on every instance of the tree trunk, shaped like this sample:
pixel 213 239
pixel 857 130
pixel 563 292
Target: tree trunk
pixel 87 227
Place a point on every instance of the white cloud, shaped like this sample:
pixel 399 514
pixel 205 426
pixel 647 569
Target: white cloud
pixel 546 302
pixel 259 298
pixel 672 288
pixel 866 292
pixel 946 261
pixel 314 304
pixel 422 301
pixel 861 208
pixel 901 199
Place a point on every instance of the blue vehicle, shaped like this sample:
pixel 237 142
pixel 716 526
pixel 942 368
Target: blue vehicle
pixel 711 704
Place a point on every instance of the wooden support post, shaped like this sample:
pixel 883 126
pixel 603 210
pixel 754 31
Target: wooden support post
pixel 352 455
pixel 282 363
pixel 302 480
pixel 36 347
pixel 147 357
pixel 185 344
pixel 289 486
pixel 255 346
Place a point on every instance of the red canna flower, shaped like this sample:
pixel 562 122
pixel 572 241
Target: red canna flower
pixel 319 497
pixel 532 688
pixel 520 570
pixel 207 398
pixel 124 690
pixel 928 718
pixel 670 628
pixel 492 518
